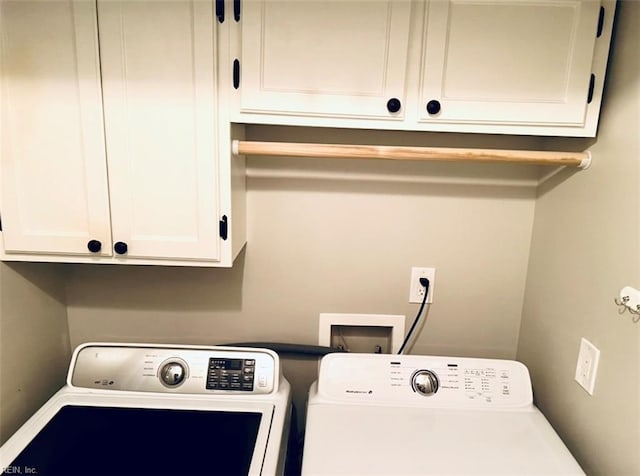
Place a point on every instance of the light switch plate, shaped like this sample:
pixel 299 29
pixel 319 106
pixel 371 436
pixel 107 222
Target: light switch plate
pixel 587 367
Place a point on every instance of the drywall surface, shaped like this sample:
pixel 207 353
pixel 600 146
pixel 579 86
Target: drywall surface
pixel 585 248
pixel 34 340
pixel 339 236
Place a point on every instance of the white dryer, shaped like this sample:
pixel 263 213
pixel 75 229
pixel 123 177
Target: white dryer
pixel 143 409
pixel 405 414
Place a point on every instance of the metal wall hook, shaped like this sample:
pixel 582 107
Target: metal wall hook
pixel 622 304
pixel 629 300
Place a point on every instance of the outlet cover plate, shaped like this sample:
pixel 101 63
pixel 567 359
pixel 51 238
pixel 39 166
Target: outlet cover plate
pixel 395 322
pixel 587 366
pixel 416 290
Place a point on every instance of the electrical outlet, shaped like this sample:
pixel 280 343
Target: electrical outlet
pixel 587 366
pixel 416 290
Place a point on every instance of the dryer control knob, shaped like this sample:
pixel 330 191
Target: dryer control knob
pixel 173 374
pixel 425 382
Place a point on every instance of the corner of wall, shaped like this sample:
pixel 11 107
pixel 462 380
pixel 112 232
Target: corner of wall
pixel 34 340
pixel 585 247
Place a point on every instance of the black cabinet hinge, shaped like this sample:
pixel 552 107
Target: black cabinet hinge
pixel 236 73
pixel 600 23
pixel 220 10
pixel 592 85
pixel 236 10
pixel 224 227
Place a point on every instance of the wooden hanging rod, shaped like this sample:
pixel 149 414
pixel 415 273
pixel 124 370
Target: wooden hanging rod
pixel 581 160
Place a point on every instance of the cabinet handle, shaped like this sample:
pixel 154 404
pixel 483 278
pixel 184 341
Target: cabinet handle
pixel 220 10
pixel 120 247
pixel 394 105
pixel 236 73
pixel 94 246
pixel 433 107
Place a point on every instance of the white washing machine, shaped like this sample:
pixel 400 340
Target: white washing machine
pixel 156 410
pixel 405 414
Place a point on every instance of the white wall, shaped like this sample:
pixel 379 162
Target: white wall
pixel 34 340
pixel 585 248
pixel 340 236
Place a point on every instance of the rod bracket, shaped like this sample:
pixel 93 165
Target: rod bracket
pixel 586 162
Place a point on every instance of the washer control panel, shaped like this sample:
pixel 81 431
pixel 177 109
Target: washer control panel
pixel 425 380
pixel 232 374
pixel 166 369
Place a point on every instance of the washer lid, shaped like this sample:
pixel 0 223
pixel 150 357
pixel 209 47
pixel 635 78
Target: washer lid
pixel 133 433
pixel 354 439
pixel 86 440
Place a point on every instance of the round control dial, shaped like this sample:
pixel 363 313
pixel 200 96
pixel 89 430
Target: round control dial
pixel 425 382
pixel 173 373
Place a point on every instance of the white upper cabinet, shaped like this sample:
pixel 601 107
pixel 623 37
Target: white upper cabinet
pixel 158 83
pixel 329 58
pixel 506 63
pixel 510 66
pixel 53 174
pixel 111 142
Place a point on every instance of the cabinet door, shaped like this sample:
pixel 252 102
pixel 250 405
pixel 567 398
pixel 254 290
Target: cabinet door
pixel 53 175
pixel 160 105
pixel 324 58
pixel 508 62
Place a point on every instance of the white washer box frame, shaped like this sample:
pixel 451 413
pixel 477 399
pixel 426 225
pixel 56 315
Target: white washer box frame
pixel 394 321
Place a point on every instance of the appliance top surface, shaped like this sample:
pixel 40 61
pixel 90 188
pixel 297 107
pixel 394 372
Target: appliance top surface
pixel 366 439
pixel 367 412
pixel 227 407
pixel 176 370
pixel 76 428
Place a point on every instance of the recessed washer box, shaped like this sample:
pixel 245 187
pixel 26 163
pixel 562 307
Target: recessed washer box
pixel 386 330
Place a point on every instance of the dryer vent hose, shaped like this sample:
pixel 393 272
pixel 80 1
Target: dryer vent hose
pixel 296 349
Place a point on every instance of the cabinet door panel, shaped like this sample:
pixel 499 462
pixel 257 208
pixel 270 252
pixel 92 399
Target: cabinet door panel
pixel 329 58
pixel 512 62
pixel 158 81
pixel 53 173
